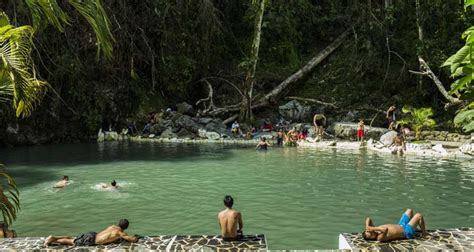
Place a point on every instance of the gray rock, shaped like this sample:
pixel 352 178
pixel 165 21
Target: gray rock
pixel 186 109
pixel 111 136
pixel 294 111
pixel 213 135
pixel 184 133
pixel 467 148
pixel 387 138
pixel 158 128
pixel 216 125
pixel 202 133
pixel 186 122
pixel 168 133
pixel 205 120
pixel 347 130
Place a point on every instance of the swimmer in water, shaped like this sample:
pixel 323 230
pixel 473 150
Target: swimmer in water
pixel 263 144
pixel 62 183
pixel 112 185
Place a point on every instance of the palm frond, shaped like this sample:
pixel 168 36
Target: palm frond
pixel 9 197
pixel 18 82
pixel 95 15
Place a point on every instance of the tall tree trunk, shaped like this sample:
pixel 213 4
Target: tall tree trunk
pixel 420 49
pixel 246 108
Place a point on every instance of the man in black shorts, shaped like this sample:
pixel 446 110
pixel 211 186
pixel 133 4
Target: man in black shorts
pixel 109 235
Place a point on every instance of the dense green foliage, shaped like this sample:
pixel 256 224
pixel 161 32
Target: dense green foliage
pixel 419 119
pixel 461 65
pixel 163 49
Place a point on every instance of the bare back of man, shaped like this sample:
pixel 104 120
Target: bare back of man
pixel 230 222
pixel 108 235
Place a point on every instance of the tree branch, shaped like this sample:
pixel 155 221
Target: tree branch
pixel 333 105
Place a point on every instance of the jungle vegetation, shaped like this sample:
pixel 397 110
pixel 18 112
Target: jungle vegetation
pixel 98 63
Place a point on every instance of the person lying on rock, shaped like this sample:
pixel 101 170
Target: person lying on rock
pixel 405 229
pixel 230 221
pixel 109 235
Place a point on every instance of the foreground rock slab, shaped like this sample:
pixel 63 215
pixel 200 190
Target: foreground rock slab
pixel 458 239
pixel 256 242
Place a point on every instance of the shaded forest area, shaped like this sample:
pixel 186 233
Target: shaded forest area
pixel 165 52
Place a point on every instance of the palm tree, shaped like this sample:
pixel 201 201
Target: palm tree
pixel 19 84
pixel 9 197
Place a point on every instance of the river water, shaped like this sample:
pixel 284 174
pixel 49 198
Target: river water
pixel 300 198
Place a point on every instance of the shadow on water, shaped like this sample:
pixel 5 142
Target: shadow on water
pixel 43 162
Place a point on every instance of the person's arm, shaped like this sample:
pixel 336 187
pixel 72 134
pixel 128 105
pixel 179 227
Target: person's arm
pixel 314 122
pixel 128 238
pixel 382 236
pixel 368 223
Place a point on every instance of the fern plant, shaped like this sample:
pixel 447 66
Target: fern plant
pixel 419 119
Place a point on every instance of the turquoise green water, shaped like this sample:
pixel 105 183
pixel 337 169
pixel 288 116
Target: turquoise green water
pixel 300 198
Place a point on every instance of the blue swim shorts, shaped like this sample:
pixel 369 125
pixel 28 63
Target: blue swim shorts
pixel 407 228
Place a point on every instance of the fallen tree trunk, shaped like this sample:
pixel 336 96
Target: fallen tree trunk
pixel 427 72
pixel 297 76
pixel 333 105
pixel 303 72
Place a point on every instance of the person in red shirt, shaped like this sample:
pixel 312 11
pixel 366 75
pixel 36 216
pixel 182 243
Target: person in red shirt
pixel 267 125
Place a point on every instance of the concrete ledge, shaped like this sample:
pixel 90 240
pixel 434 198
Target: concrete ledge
pixel 256 242
pixel 458 239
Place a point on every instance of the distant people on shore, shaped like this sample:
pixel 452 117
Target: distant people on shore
pixel 280 137
pixel 360 131
pixel 263 144
pixel 267 125
pixel 319 122
pixel 391 117
pixel 405 229
pixel 150 121
pixel 230 221
pixel 399 144
pixel 108 235
pixel 235 129
pixel 62 183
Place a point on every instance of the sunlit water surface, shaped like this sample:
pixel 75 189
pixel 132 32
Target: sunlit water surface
pixel 300 198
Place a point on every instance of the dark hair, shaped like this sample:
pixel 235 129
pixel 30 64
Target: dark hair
pixel 367 238
pixel 66 177
pixel 228 201
pixel 114 183
pixel 264 139
pixel 123 224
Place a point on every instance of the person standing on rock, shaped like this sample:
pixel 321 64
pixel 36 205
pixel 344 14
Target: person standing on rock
pixel 391 118
pixel 319 121
pixel 360 131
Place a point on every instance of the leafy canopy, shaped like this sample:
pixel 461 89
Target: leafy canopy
pixel 418 120
pixel 461 66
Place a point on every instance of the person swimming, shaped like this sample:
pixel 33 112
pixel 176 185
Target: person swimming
pixel 113 185
pixel 62 183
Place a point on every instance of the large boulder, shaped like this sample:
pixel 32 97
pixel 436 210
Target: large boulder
pixel 205 120
pixel 216 125
pixel 467 148
pixel 347 130
pixel 158 128
pixel 294 111
pixel 111 136
pixel 186 109
pixel 184 133
pixel 186 122
pixel 168 133
pixel 213 135
pixel 387 138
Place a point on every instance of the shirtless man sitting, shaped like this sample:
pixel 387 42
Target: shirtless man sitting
pixel 107 236
pixel 230 221
pixel 405 229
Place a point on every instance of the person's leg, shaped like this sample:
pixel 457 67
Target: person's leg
pixel 409 213
pixel 418 220
pixel 63 240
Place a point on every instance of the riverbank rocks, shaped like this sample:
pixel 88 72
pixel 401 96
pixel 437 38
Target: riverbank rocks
pixel 294 111
pixel 186 122
pixel 443 136
pixel 387 138
pixel 467 148
pixel 168 133
pixel 348 130
pixel 186 109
